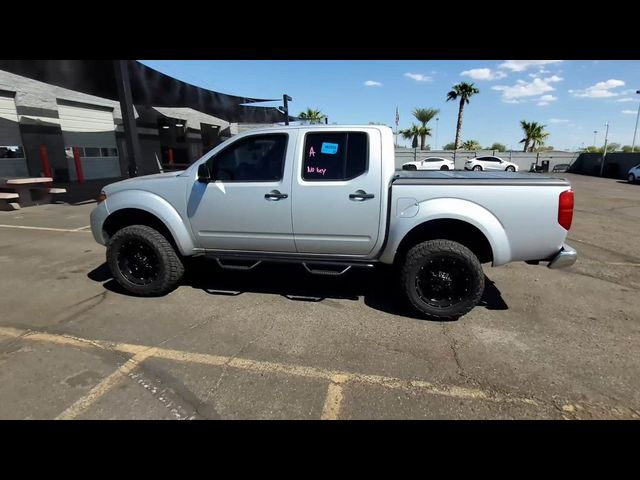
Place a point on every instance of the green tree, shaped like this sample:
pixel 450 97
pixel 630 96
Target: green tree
pixel 312 116
pixel 463 91
pixel 534 135
pixel 591 149
pixel 471 145
pixel 627 149
pixel 449 146
pixel 412 133
pixel 498 147
pixel 612 147
pixel 424 116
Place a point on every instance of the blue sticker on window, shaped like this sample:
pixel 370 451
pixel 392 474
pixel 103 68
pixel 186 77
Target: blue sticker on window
pixel 330 148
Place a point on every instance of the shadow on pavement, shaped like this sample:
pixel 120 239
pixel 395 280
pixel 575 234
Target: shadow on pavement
pixel 291 281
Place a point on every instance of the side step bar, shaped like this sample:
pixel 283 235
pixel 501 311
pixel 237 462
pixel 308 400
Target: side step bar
pixel 312 266
pixel 238 266
pixel 317 269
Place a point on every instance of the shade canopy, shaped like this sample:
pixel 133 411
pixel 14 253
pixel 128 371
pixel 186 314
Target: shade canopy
pixel 148 87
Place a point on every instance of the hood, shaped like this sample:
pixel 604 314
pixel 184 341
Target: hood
pixel 128 183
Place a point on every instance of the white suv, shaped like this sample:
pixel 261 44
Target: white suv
pixel 634 174
pixel 490 163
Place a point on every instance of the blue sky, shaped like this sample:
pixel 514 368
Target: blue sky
pixel 573 98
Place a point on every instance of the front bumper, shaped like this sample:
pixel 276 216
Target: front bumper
pixel 566 257
pixel 97 217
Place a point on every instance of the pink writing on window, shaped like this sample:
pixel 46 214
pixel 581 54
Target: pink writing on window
pixel 312 152
pixel 321 171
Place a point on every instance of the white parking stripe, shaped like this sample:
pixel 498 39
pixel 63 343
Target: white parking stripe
pixel 49 229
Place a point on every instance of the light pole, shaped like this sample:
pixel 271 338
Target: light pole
pixel 595 132
pixel 438 119
pixel 604 151
pixel 633 144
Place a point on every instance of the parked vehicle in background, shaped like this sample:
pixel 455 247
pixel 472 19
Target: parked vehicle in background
pixel 329 197
pixel 634 174
pixel 560 168
pixel 430 163
pixel 490 163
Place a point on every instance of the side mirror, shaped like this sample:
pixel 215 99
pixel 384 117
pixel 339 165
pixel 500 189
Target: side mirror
pixel 204 176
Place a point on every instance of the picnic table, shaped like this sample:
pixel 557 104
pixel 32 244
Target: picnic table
pixel 27 192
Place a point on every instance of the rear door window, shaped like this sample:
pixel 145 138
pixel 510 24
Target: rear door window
pixel 335 156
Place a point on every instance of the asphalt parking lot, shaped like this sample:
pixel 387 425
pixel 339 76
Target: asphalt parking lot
pixel 277 343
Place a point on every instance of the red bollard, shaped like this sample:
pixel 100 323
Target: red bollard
pixel 44 158
pixel 171 156
pixel 76 159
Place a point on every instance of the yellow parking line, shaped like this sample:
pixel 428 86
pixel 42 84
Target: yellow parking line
pixel 103 387
pixel 333 400
pixel 337 379
pixel 47 229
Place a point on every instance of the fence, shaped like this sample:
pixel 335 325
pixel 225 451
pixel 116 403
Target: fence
pixel 616 165
pixel 522 159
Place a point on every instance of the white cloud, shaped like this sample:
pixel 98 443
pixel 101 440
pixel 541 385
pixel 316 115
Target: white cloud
pixel 484 74
pixel 599 90
pixel 372 83
pixel 546 100
pixel 628 99
pixel 558 120
pixel 629 112
pixel 522 88
pixel 418 77
pixel 522 65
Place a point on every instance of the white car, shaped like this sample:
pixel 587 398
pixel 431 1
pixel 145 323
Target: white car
pixel 490 163
pixel 431 163
pixel 634 174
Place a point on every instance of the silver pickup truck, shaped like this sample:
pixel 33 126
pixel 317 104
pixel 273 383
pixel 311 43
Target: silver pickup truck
pixel 329 197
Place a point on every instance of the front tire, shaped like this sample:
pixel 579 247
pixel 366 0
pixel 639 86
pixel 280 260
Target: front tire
pixel 631 178
pixel 477 168
pixel 442 279
pixel 143 261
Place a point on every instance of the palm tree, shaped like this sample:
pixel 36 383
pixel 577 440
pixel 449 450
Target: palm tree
pixel 424 116
pixel 538 137
pixel 528 130
pixel 463 91
pixel 312 116
pixel 534 135
pixel 471 145
pixel 412 133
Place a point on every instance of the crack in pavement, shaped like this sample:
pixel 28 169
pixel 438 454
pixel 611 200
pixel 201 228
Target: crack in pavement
pixel 453 346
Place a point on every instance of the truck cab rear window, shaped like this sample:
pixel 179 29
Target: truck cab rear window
pixel 335 156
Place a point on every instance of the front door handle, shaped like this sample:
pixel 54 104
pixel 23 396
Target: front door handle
pixel 360 195
pixel 275 195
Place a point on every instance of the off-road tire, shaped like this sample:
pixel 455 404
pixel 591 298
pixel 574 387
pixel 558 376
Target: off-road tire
pixel 445 254
pixel 170 268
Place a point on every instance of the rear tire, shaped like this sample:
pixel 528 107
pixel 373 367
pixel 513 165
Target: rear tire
pixel 442 279
pixel 510 169
pixel 444 167
pixel 477 168
pixel 631 178
pixel 143 261
pixel 409 167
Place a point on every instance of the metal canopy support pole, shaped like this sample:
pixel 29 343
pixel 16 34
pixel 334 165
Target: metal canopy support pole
pixel 286 99
pixel 126 106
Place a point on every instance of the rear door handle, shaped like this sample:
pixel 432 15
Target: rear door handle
pixel 275 195
pixel 360 195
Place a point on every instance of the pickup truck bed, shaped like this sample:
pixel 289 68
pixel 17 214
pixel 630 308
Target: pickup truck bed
pixel 451 177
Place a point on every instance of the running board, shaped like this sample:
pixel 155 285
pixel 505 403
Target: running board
pixel 241 266
pixel 326 269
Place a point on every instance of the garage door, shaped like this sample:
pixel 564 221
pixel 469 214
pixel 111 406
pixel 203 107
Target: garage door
pixel 12 161
pixel 93 131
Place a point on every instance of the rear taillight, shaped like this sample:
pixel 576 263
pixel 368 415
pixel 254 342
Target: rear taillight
pixel 565 209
